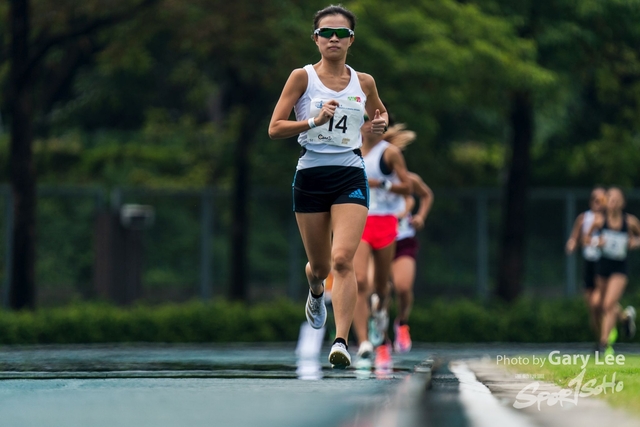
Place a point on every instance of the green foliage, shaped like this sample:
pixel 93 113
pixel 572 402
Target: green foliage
pixel 437 321
pixel 524 321
pixel 446 68
pixel 163 98
pixel 159 100
pixel 587 125
pixel 65 256
pixel 191 322
pixel 165 153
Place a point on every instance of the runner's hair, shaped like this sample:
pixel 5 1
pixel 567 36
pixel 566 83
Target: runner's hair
pixel 334 9
pixel 615 187
pixel 399 136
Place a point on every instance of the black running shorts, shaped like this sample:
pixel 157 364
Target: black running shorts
pixel 589 274
pixel 317 189
pixel 606 267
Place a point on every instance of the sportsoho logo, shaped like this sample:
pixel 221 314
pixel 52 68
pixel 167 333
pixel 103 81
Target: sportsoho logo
pixel 577 387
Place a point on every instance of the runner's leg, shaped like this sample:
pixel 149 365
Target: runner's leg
pixel 315 230
pixel 382 260
pixel 610 304
pixel 361 314
pixel 404 273
pixel 592 297
pixel 347 223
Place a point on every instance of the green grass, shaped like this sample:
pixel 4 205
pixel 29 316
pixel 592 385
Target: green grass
pixel 627 372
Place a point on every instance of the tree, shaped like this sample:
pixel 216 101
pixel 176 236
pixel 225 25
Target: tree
pixel 35 79
pixel 22 174
pixel 592 126
pixel 447 66
pixel 236 50
pixel 516 189
pixel 516 192
pixel 448 58
pixel 560 78
pixel 250 57
pixel 588 45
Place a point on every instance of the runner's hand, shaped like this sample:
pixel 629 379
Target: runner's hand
pixel 417 222
pixel 571 246
pixel 378 124
pixel 327 112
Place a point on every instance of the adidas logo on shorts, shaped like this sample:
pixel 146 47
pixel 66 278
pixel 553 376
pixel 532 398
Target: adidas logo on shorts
pixel 357 195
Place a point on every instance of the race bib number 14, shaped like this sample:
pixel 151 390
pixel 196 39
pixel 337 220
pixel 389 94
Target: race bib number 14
pixel 343 129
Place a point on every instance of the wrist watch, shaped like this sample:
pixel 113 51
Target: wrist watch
pixel 386 184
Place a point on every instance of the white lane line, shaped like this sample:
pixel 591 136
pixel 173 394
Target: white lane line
pixel 481 407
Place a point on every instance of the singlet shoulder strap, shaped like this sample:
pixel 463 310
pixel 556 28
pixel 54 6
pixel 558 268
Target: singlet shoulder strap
pixel 384 167
pixel 624 227
pixel 311 73
pixel 354 75
pixel 378 149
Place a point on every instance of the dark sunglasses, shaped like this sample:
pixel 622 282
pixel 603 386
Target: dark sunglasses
pixel 327 33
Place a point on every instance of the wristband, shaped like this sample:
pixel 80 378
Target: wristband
pixel 311 122
pixel 386 184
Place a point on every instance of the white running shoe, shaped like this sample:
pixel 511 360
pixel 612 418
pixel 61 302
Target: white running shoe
pixel 339 356
pixel 630 322
pixel 316 311
pixel 378 322
pixel 364 358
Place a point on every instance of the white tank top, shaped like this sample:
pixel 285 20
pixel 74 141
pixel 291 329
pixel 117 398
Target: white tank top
pixel 331 144
pixel 590 252
pixel 381 201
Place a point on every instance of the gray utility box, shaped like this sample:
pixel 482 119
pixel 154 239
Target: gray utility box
pixel 119 252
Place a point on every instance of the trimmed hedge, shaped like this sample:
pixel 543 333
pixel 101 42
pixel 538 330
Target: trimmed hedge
pixel 437 321
pixel 190 322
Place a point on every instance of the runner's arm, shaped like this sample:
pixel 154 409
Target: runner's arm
pixel 394 158
pixel 425 195
pixel 409 203
pixel 634 230
pixel 573 241
pixel 374 103
pixel 280 126
pixel 598 222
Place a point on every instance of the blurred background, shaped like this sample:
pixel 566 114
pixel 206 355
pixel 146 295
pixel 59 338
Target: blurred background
pixel 137 166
